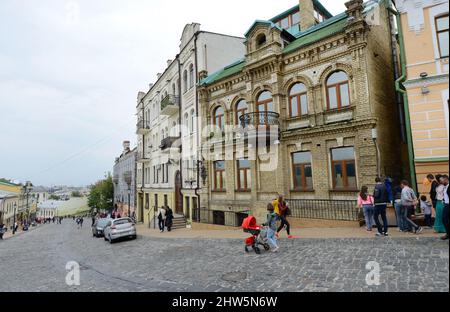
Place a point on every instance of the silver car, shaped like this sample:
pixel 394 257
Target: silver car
pixel 120 228
pixel 99 227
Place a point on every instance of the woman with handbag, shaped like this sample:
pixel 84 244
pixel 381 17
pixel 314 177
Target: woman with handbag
pixel 366 202
pixel 283 212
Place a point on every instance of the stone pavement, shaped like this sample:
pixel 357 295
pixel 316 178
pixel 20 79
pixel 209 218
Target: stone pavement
pixel 321 233
pixel 37 262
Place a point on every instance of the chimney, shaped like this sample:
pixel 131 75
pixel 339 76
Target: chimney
pixel 355 10
pixel 126 146
pixel 307 19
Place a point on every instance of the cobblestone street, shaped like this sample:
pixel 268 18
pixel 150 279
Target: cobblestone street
pixel 36 261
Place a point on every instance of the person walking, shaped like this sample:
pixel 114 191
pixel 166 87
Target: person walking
pixel 2 230
pixel 402 227
pixel 440 195
pixel 409 202
pixel 272 227
pixel 366 202
pixel 161 219
pixel 381 199
pixel 283 212
pixel 446 213
pixel 427 209
pixel 434 184
pixel 81 222
pixel 169 218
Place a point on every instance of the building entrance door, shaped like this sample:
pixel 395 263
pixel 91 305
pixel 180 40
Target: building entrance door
pixel 178 195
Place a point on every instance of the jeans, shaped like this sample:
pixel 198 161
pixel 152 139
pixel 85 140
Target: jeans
pixel 271 238
pixel 406 212
pixel 161 224
pixel 284 222
pixel 368 215
pixel 400 220
pixel 428 220
pixel 445 218
pixel 380 210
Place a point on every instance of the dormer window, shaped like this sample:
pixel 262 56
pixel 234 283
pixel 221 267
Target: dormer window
pixel 260 41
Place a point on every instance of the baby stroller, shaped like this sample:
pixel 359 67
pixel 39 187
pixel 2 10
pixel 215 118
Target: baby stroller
pixel 259 235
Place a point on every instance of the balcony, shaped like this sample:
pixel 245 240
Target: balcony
pixel 261 125
pixel 143 127
pixel 141 158
pixel 170 105
pixel 167 144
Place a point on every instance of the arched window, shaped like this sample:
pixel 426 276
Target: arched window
pixel 298 100
pixel 186 123
pixel 219 118
pixel 191 76
pixel 192 125
pixel 260 41
pixel 264 102
pixel 185 81
pixel 241 109
pixel 338 91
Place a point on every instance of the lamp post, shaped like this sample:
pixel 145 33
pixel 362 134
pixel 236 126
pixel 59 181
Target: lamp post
pixel 27 188
pixel 14 219
pixel 128 178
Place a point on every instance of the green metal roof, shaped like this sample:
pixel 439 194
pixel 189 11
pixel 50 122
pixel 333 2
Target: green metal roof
pixel 295 8
pixel 230 70
pixel 271 24
pixel 318 32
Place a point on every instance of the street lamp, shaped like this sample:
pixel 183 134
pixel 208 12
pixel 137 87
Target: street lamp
pixel 27 188
pixel 14 219
pixel 128 178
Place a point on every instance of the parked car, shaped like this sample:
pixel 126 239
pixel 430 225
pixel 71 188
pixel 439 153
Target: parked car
pixel 120 228
pixel 99 227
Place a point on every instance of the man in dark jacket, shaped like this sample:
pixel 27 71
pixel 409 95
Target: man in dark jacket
pixel 381 199
pixel 434 185
pixel 446 212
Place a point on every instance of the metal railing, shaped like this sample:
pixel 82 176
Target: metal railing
pixel 258 119
pixel 170 100
pixel 168 142
pixel 338 210
pixel 218 217
pixel 143 124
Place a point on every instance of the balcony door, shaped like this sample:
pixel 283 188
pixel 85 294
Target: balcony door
pixel 264 106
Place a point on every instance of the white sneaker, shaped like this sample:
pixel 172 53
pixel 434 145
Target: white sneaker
pixel 275 250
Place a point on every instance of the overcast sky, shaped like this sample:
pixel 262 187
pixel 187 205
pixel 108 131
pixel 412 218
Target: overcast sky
pixel 70 72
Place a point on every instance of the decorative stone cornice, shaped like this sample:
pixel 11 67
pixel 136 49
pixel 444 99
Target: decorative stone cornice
pixel 414 10
pixel 431 80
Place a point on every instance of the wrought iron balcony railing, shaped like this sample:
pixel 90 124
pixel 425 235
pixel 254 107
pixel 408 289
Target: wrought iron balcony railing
pixel 170 100
pixel 168 143
pixel 258 119
pixel 142 126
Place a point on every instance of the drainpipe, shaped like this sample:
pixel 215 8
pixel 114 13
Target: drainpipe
pixel 399 88
pixel 197 188
pixel 180 112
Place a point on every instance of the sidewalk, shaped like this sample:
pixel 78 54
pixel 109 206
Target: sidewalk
pixel 9 234
pixel 144 231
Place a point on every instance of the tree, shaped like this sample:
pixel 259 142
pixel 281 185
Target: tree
pixel 102 194
pixel 54 197
pixel 77 194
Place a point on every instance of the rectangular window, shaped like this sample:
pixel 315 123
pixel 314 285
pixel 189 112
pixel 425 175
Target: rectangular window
pixel 442 34
pixel 302 171
pixel 295 18
pixel 343 168
pixel 244 175
pixel 285 22
pixel 219 175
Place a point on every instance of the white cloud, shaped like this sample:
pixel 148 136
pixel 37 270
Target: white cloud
pixel 70 72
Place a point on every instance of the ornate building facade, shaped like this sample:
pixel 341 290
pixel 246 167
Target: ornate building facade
pixel 124 179
pixel 310 115
pixel 425 27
